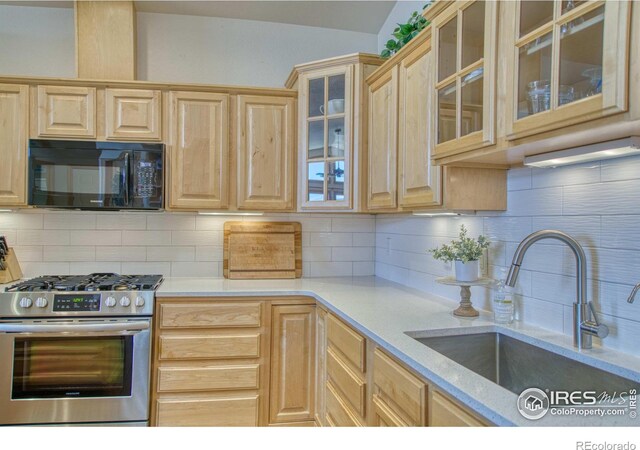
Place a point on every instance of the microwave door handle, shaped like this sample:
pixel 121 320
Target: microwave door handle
pixel 126 176
pixel 74 328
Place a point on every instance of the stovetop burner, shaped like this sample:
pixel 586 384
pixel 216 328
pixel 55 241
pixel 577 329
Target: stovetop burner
pixel 93 282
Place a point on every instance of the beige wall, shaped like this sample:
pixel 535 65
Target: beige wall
pixel 37 41
pixel 40 41
pixel 231 51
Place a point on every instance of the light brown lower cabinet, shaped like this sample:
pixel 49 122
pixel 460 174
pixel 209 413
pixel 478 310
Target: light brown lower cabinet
pixel 234 362
pixel 292 364
pixel 363 385
pixel 282 361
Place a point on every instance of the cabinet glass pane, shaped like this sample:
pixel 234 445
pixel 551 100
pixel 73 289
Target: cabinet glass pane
pixel 471 89
pixel 447 113
pixel 335 181
pixel 316 139
pixel 472 34
pixel 534 14
pixel 336 138
pixel 316 97
pixel 315 180
pixel 447 51
pixel 534 73
pixel 568 5
pixel 581 49
pixel 335 104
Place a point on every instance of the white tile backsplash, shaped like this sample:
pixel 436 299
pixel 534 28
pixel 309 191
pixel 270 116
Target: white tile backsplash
pixel 597 203
pixel 173 244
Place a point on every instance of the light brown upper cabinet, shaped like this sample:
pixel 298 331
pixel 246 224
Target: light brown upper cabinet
pixel 198 150
pixel 570 61
pixel 402 176
pixel 66 111
pixel 383 144
pixel 265 159
pixel 418 179
pixel 332 125
pixel 464 78
pixel 14 120
pixel 133 114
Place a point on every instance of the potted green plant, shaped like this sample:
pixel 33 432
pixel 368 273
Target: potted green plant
pixel 465 252
pixel 404 32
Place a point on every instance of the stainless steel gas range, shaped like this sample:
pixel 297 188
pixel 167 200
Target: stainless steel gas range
pixel 76 350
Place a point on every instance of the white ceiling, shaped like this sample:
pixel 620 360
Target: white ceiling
pixel 360 15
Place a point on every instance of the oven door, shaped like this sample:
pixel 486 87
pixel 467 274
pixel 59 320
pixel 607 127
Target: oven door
pixel 88 178
pixel 74 371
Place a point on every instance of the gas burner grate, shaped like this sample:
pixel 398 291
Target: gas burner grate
pixel 92 282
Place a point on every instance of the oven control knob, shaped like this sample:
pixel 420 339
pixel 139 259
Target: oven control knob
pixel 139 301
pixel 110 302
pixel 124 301
pixel 41 302
pixel 25 302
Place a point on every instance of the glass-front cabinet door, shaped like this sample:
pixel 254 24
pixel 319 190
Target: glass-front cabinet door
pixel 326 138
pixel 464 73
pixel 570 59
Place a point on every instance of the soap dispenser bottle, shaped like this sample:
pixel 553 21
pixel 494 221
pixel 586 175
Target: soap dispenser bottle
pixel 503 300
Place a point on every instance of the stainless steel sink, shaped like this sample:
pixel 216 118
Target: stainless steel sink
pixel 517 365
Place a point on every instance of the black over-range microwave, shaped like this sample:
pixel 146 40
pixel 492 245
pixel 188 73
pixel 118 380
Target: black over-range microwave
pixel 95 175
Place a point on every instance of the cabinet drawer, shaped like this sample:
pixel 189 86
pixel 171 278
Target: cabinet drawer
pixel 347 382
pixel 338 413
pixel 445 413
pixel 184 379
pixel 383 414
pixel 210 347
pixel 208 412
pixel 346 341
pixel 218 315
pixel 401 387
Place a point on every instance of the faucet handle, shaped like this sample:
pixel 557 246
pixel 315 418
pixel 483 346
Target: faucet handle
pixel 632 296
pixel 595 328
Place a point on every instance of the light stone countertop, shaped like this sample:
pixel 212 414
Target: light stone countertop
pixel 384 311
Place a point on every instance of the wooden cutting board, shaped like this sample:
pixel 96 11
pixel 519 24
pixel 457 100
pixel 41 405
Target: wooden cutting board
pixel 267 250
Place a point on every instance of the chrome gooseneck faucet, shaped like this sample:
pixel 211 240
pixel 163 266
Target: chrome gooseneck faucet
pixel 583 328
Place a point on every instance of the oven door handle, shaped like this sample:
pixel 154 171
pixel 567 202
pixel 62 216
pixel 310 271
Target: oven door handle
pixel 74 328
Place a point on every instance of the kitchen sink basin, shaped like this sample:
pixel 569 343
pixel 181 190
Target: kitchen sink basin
pixel 517 365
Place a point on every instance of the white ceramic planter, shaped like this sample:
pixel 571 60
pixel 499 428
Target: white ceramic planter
pixel 467 271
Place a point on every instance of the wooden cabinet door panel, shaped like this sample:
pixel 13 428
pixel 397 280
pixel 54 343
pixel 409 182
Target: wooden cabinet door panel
pixel 132 114
pixel 338 413
pixel 210 315
pixel 210 346
pixel 198 150
pixel 292 363
pixel 66 111
pixel 208 412
pixel 401 387
pixel 445 413
pixel 419 181
pixel 265 141
pixel 383 415
pixel 347 341
pixel 14 120
pixel 349 384
pixel 187 379
pixel 383 145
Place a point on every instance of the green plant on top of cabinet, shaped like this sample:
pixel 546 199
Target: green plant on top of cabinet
pixel 464 76
pixel 570 61
pixel 332 130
